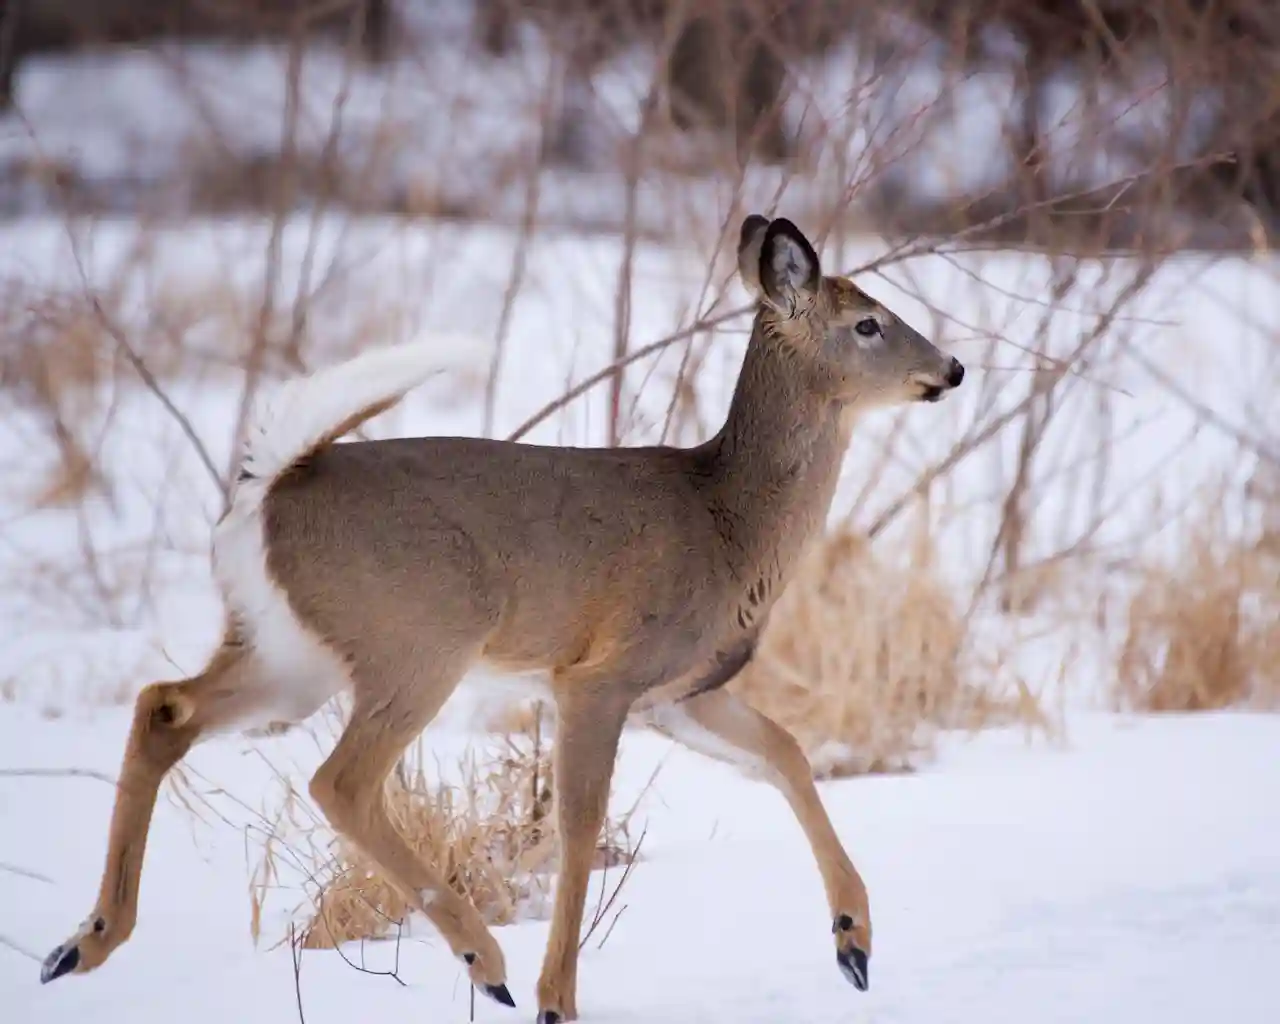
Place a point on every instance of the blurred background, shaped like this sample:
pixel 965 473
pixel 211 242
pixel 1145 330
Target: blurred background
pixel 1103 122
pixel 1078 198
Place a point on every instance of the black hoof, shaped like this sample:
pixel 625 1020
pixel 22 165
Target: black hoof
pixel 853 965
pixel 499 994
pixel 548 1017
pixel 62 960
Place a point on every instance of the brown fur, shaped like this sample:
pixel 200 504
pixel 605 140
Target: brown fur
pixel 636 578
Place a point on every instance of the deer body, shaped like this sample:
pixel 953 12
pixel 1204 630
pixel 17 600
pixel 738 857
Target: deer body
pixel 636 580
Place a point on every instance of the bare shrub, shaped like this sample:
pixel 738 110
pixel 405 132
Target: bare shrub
pixel 491 836
pixel 1203 633
pixel 864 658
pixel 1169 137
pixel 51 360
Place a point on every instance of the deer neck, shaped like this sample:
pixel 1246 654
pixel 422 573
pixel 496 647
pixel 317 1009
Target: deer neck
pixel 776 461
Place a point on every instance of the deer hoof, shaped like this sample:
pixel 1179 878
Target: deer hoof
pixel 853 965
pixel 62 960
pixel 499 994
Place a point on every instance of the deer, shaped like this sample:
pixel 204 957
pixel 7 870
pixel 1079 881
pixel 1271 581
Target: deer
pixel 632 582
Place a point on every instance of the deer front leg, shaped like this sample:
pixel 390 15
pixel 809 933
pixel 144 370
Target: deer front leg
pixel 588 730
pixel 168 718
pixel 161 734
pixel 725 727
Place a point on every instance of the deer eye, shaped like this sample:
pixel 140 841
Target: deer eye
pixel 867 327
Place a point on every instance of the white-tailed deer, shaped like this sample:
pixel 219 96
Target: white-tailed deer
pixel 637 579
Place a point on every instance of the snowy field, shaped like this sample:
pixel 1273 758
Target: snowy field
pixel 1131 876
pixel 1128 870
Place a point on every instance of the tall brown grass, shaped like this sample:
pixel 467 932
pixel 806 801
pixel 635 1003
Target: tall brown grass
pixel 491 835
pixel 864 659
pixel 1203 632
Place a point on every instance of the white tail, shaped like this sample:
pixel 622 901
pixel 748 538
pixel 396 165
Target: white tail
pixel 302 416
pixel 307 412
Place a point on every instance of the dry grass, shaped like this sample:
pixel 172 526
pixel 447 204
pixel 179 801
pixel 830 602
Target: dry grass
pixel 1204 633
pixel 52 362
pixel 491 835
pixel 863 659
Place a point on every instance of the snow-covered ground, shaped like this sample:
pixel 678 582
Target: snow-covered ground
pixel 1130 875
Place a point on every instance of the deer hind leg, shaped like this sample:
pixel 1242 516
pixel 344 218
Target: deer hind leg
pixel 391 709
pixel 168 718
pixel 588 730
pixel 725 727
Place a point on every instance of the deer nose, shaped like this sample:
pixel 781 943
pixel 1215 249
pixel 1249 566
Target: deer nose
pixel 956 374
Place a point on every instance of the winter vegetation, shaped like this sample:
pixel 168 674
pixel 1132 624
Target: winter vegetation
pixel 1034 661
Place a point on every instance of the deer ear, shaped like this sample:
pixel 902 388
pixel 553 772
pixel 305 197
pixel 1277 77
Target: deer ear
pixel 789 272
pixel 749 239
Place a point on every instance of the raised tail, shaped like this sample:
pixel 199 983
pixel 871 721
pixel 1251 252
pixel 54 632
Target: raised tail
pixel 311 411
pixel 305 414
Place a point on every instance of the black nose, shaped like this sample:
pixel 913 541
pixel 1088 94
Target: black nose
pixel 956 374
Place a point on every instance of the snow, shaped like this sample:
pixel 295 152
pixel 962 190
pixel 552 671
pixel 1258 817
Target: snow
pixel 1130 874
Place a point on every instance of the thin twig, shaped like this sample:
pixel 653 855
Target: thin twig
pixel 551 408
pixel 57 773
pixel 150 381
pixel 626 272
pixel 519 263
pixel 22 950
pixel 13 869
pixel 285 194
pixel 601 912
pixel 295 952
pixel 394 973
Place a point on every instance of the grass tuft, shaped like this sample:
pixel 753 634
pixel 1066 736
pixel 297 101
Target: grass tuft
pixel 491 835
pixel 864 660
pixel 1204 634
